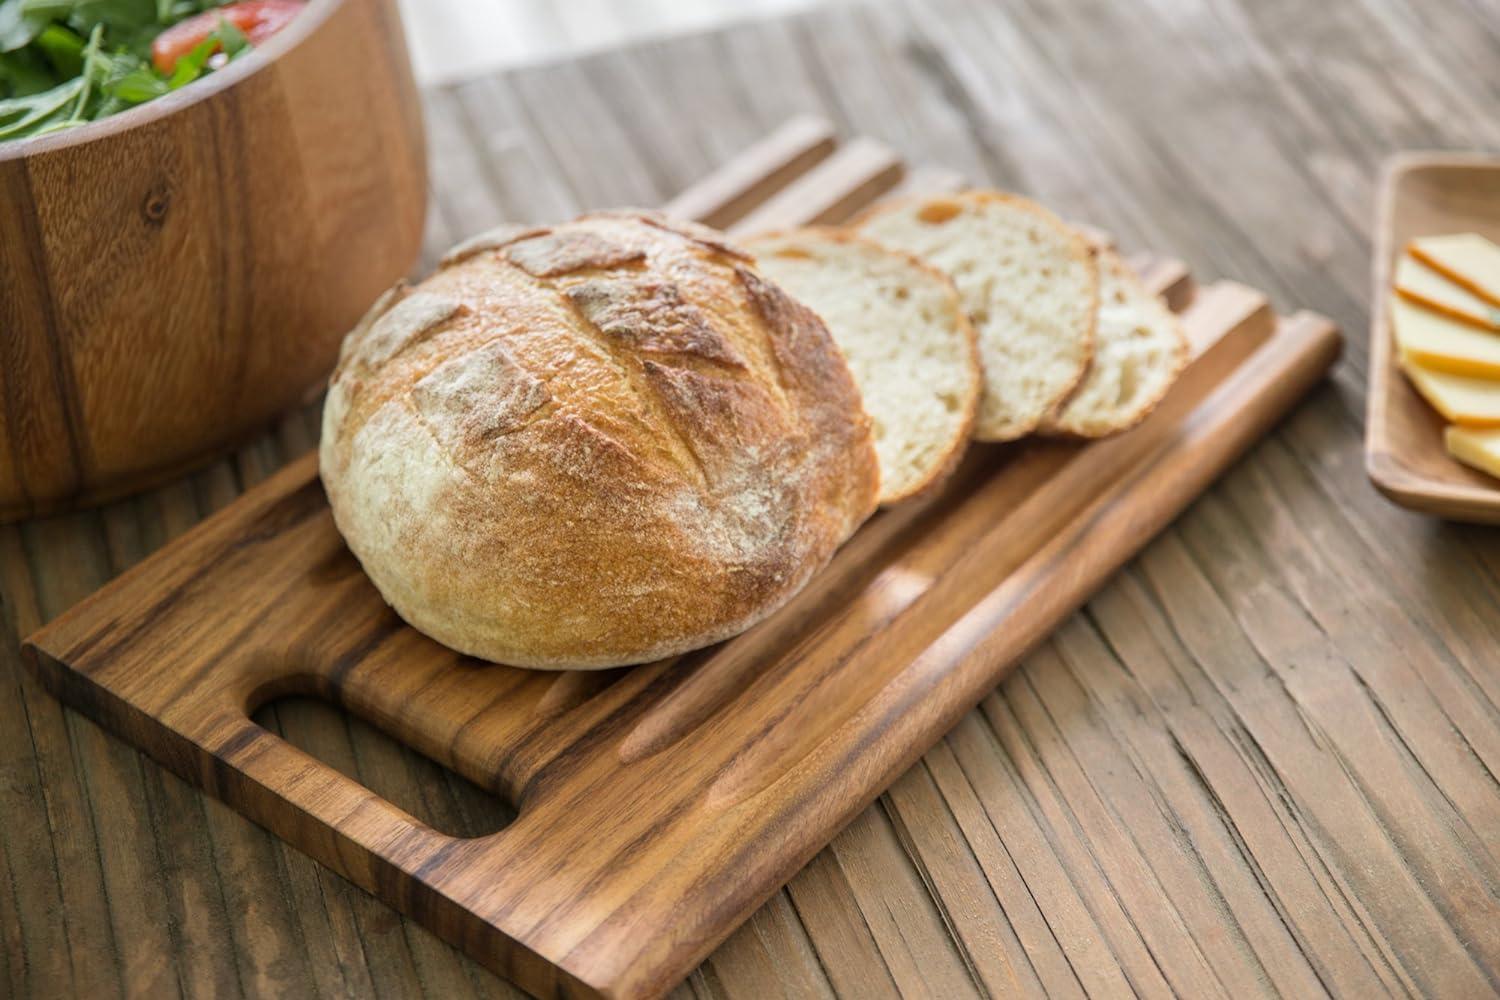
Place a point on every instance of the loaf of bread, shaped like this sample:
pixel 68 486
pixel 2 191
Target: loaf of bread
pixel 1030 288
pixel 906 338
pixel 593 444
pixel 1140 350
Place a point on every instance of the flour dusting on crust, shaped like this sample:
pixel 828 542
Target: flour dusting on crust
pixel 628 446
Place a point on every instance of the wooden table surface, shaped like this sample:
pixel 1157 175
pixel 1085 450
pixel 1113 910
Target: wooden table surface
pixel 1262 760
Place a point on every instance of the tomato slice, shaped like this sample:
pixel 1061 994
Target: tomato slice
pixel 258 19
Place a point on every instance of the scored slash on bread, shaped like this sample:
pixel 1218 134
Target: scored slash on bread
pixel 593 444
pixel 1139 350
pixel 1029 284
pixel 909 344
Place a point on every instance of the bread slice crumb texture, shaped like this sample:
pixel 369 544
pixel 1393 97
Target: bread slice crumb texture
pixel 1028 284
pixel 1139 350
pixel 910 347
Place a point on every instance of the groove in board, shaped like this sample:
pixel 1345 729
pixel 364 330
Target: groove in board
pixel 756 174
pixel 855 175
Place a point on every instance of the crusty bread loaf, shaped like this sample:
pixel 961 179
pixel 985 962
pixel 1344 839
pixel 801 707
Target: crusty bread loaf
pixel 1139 351
pixel 593 444
pixel 1028 284
pixel 906 338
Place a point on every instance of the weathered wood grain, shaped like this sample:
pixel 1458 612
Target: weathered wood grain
pixel 1244 136
pixel 755 174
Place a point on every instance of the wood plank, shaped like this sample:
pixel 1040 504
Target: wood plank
pixel 993 952
pixel 858 173
pixel 1203 733
pixel 907 923
pixel 845 943
pixel 757 174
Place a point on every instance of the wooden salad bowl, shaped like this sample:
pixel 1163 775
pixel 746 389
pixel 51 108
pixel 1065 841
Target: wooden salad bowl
pixel 173 276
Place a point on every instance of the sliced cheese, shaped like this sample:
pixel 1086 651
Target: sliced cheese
pixel 1463 399
pixel 1443 344
pixel 1426 286
pixel 1477 448
pixel 1466 258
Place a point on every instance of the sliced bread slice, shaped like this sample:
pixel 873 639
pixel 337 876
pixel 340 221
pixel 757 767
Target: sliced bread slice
pixel 910 346
pixel 1139 350
pixel 1028 283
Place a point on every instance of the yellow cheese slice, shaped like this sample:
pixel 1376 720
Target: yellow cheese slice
pixel 1443 344
pixel 1477 448
pixel 1463 399
pixel 1425 286
pixel 1466 258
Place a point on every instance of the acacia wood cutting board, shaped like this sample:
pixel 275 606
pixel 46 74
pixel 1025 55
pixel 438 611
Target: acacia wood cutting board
pixel 658 805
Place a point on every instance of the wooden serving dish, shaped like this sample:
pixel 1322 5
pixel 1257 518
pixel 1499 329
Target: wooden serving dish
pixel 1423 194
pixel 175 275
pixel 657 806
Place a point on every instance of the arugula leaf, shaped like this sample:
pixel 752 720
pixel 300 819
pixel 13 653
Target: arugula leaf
pixel 23 115
pixel 90 69
pixel 17 26
pixel 130 24
pixel 65 62
pixel 139 85
pixel 226 37
pixel 231 39
pixel 111 13
pixel 24 72
pixel 63 48
pixel 190 66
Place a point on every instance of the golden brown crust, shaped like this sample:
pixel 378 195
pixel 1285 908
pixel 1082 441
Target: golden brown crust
pixel 955 453
pixel 490 239
pixel 596 444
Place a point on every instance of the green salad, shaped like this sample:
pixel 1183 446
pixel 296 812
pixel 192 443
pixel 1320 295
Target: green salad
pixel 66 62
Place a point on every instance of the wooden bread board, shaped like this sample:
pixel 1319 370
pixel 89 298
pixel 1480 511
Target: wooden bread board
pixel 658 806
pixel 1424 194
